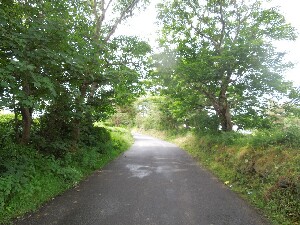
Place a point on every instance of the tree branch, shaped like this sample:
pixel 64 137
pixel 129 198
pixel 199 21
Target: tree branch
pixel 223 26
pixel 123 16
pixel 108 4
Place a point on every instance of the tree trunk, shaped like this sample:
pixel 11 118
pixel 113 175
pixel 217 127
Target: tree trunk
pixel 224 109
pixel 76 124
pixel 223 112
pixel 16 120
pixel 26 113
pixel 225 118
pixel 26 122
pixel 75 133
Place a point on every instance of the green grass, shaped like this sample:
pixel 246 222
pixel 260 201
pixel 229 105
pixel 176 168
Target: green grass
pixel 30 178
pixel 263 168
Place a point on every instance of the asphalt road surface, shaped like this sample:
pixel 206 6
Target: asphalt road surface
pixel 154 183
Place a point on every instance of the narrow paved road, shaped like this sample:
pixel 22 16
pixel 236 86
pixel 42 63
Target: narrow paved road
pixel 154 183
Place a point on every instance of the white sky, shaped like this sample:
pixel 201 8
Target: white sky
pixel 143 25
pixel 290 9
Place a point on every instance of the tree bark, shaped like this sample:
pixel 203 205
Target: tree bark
pixel 76 124
pixel 26 113
pixel 26 121
pixel 223 112
pixel 75 133
pixel 224 109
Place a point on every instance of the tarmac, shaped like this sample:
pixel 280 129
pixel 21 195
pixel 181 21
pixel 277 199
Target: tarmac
pixel 153 183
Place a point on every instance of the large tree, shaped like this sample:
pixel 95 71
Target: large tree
pixel 102 72
pixel 33 34
pixel 61 58
pixel 222 53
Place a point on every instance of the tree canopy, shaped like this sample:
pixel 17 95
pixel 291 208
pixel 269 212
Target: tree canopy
pixel 219 57
pixel 61 59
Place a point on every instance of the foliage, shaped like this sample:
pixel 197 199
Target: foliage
pixel 57 62
pixel 166 113
pixel 218 56
pixel 149 115
pixel 6 129
pixel 124 116
pixel 288 137
pixel 60 58
pixel 30 177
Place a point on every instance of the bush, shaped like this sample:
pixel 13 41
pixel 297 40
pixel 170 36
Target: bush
pixel 289 137
pixel 230 138
pixel 97 135
pixel 18 165
pixel 6 129
pixel 222 139
pixel 29 177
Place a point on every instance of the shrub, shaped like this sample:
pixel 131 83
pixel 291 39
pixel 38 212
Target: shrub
pixel 6 129
pixel 29 177
pixel 18 167
pixel 95 135
pixel 289 136
pixel 52 162
pixel 222 139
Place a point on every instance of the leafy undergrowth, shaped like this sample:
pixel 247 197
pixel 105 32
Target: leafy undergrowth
pixel 30 178
pixel 263 167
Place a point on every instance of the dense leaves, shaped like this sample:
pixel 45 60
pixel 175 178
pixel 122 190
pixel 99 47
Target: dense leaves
pixel 60 59
pixel 221 54
pixel 30 177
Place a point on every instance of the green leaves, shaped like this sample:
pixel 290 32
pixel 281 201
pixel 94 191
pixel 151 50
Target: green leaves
pixel 224 56
pixel 273 24
pixel 53 49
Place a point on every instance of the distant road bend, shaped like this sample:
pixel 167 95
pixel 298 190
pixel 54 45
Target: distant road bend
pixel 153 183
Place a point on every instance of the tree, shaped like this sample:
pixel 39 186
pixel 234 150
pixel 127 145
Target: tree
pixel 32 36
pixel 61 58
pixel 223 54
pixel 99 85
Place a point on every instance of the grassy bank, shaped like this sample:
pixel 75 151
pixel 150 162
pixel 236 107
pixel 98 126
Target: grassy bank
pixel 29 178
pixel 263 168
